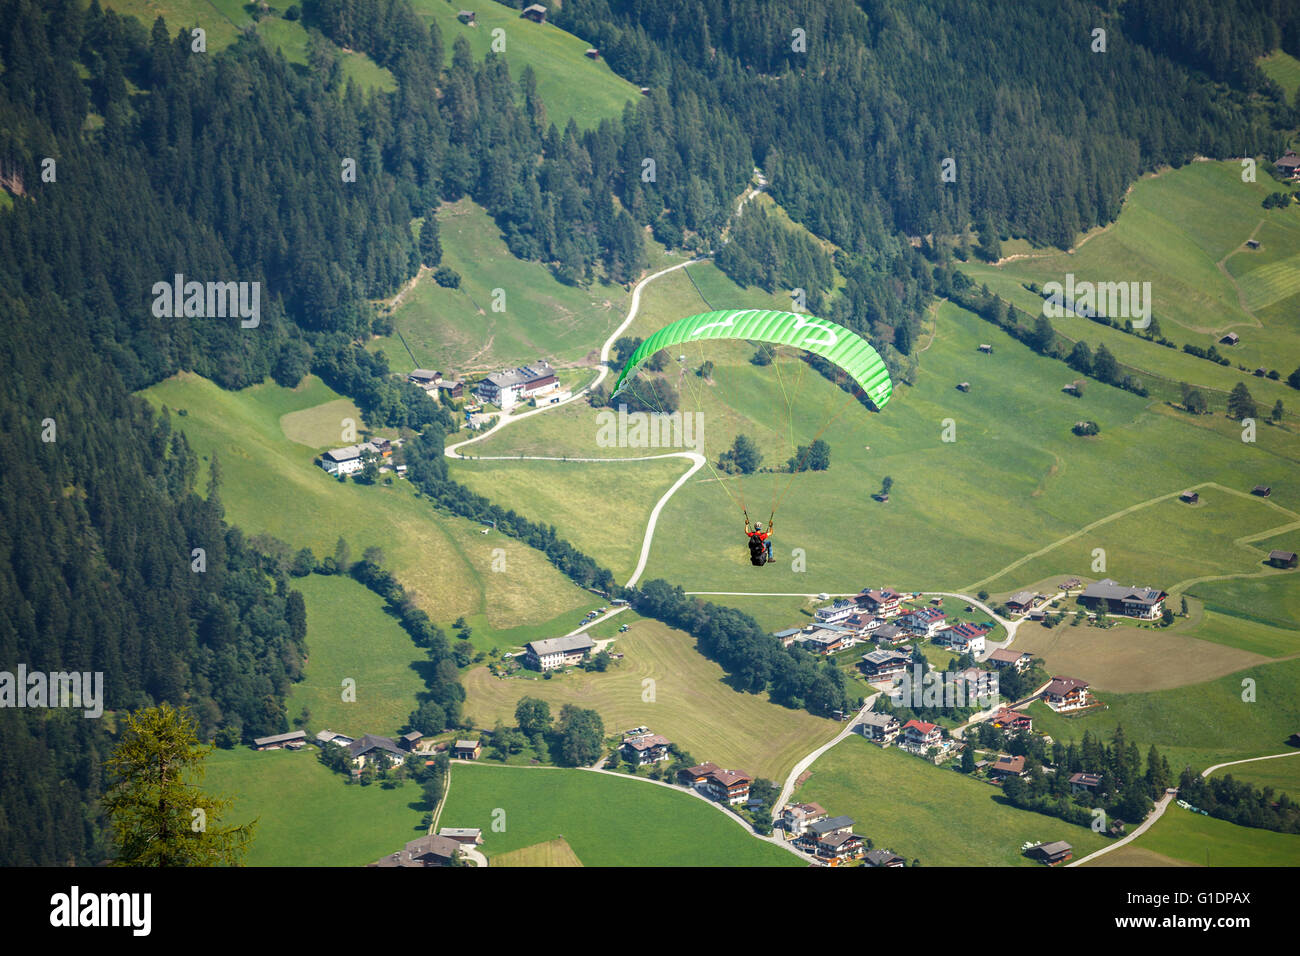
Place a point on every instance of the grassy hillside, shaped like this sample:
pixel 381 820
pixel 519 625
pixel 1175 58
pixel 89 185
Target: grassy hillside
pixel 933 814
pixel 1015 498
pixel 350 636
pixel 606 820
pixel 1184 231
pixel 571 85
pixel 692 705
pixel 616 499
pixel 270 485
pixel 308 816
pixel 459 329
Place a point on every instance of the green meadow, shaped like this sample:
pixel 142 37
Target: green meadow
pixel 934 814
pixel 308 815
pixel 616 498
pixel 1006 503
pixel 270 485
pixel 461 329
pixel 571 85
pixel 1185 231
pixel 687 700
pixel 607 820
pixel 351 637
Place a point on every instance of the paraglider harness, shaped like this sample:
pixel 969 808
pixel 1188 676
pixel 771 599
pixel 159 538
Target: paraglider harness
pixel 760 542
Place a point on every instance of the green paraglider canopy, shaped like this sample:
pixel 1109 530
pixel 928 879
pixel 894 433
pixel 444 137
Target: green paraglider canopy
pixel 833 342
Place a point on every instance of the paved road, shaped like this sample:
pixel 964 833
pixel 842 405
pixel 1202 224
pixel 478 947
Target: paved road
pixel 1232 763
pixel 1152 817
pixel 1165 801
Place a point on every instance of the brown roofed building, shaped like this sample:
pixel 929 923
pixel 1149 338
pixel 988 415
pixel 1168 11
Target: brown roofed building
pixel 1005 657
pixel 536 12
pixel 1282 559
pixel 1066 693
pixel 1006 766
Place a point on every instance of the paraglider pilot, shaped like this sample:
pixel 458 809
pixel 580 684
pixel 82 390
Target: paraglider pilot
pixel 760 542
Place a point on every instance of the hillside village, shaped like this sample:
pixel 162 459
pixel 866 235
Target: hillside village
pixel 975 722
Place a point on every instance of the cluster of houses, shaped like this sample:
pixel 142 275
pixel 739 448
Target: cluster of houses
pixel 350 459
pixel 829 839
pixel 369 748
pixel 880 617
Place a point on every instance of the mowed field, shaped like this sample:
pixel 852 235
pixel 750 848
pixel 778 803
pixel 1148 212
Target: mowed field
pixel 555 852
pixel 459 328
pixel 571 85
pixel 1129 659
pixel 1249 713
pixel 920 811
pixel 308 816
pixel 1190 839
pixel 1184 231
pixel 622 822
pixel 691 706
pixel 350 636
pixel 616 499
pixel 269 485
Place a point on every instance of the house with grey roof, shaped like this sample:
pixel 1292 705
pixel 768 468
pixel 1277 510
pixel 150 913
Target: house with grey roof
pixel 330 737
pixel 556 652
pixel 1132 601
pixel 426 851
pixel 276 741
pixel 879 727
pixel 373 748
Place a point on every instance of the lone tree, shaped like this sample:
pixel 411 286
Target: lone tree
pixel 160 816
pixel 1240 402
pixel 430 244
pixel 744 455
